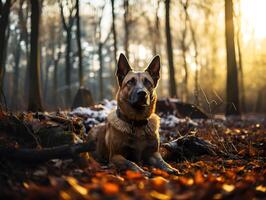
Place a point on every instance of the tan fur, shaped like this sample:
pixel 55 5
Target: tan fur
pixel 124 91
pixel 114 136
pixel 133 74
pixel 151 128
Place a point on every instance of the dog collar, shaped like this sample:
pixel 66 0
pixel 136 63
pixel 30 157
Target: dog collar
pixel 151 128
pixel 130 121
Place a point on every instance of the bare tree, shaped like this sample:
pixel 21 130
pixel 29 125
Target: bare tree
pixel 184 48
pixel 172 81
pixel 56 56
pixel 113 79
pixel 35 103
pixel 232 92
pixel 17 55
pixel 196 53
pixel 24 21
pixel 154 30
pixel 240 62
pixel 114 31
pixel 4 15
pixel 157 35
pixel 100 53
pixel 81 81
pixel 126 27
pixel 67 26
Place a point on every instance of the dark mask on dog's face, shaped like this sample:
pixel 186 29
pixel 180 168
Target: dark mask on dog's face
pixel 139 86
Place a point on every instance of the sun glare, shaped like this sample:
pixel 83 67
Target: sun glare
pixel 253 19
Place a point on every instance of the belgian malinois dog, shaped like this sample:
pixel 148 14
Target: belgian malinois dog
pixel 130 135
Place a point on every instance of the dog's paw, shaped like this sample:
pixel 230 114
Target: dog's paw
pixel 171 170
pixel 147 173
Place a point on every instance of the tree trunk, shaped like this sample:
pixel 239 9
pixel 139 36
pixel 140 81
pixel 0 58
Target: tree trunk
pixel 240 63
pixel 113 78
pixel 55 82
pixel 184 52
pixel 195 44
pixel 114 32
pixel 241 75
pixel 4 15
pixel 157 35
pixel 35 103
pixel 185 80
pixel 5 59
pixel 172 81
pixel 81 81
pixel 68 29
pixel 153 36
pixel 196 80
pixel 100 71
pixel 126 26
pixel 46 80
pixel 15 96
pixel 24 20
pixel 232 107
pixel 260 105
pixel 22 36
pixel 68 69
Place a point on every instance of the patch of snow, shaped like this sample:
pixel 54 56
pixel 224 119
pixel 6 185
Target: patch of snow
pixel 109 104
pixel 174 100
pixel 95 116
pixel 90 122
pixel 172 121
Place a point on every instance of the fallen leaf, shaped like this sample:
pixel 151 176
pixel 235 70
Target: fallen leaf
pixel 159 196
pixel 261 188
pixel 198 177
pixel 228 188
pixel 158 181
pixel 64 195
pixel 74 183
pixel 110 188
pixel 133 175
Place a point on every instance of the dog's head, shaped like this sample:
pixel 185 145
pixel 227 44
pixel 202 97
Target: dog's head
pixel 136 95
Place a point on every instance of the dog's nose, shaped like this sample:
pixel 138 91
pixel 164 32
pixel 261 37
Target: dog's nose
pixel 142 94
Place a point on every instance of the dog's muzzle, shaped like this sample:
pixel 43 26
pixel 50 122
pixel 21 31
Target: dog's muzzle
pixel 139 98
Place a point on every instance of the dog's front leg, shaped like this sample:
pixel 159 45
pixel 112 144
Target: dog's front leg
pixel 122 164
pixel 157 161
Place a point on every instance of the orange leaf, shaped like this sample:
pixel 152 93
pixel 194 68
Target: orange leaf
pixel 160 172
pixel 198 177
pixel 228 188
pixel 110 188
pixel 133 175
pixel 160 196
pixel 186 181
pixel 158 181
pixel 261 188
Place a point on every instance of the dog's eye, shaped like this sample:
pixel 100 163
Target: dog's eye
pixel 131 81
pixel 147 82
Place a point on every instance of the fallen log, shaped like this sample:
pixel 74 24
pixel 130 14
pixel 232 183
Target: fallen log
pixel 189 147
pixel 18 129
pixel 180 109
pixel 45 154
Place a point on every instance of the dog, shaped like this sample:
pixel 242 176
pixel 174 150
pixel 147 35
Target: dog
pixel 131 134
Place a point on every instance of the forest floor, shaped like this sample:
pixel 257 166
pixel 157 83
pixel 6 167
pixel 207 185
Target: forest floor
pixel 238 173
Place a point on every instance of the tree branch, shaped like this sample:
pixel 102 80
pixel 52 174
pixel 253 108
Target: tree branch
pixel 62 15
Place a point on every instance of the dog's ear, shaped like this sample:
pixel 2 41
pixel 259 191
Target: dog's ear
pixel 122 68
pixel 154 69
